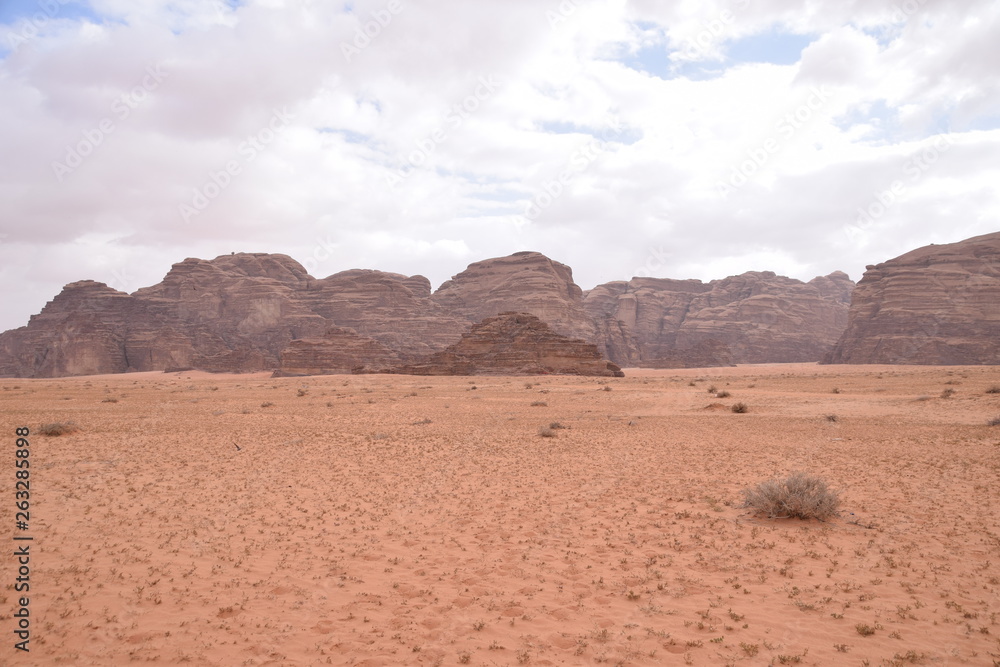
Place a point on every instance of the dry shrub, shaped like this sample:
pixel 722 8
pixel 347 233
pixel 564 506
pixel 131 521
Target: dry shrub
pixel 994 422
pixel 723 394
pixel 58 428
pixel 546 432
pixel 995 389
pixel 799 496
pixel 740 408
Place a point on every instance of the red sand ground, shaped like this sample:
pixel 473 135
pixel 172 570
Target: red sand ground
pixel 394 520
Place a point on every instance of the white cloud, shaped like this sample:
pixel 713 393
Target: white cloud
pixel 894 76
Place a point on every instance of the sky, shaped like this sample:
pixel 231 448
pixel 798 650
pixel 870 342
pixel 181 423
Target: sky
pixel 668 139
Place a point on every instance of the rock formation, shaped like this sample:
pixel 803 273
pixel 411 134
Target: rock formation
pixel 935 305
pixel 339 350
pixel 256 311
pixel 755 317
pixel 513 344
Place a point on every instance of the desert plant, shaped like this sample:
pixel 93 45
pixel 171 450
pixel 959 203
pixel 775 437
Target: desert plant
pixel 607 387
pixel 994 422
pixel 947 393
pixel 995 389
pixel 110 400
pixel 555 425
pixel 723 394
pixel 864 629
pixel 713 389
pixel 546 432
pixel 266 404
pixel 740 408
pixel 799 496
pixel 539 404
pixel 58 428
pixel 831 418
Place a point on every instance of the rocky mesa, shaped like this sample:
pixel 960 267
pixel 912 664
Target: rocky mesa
pixel 258 311
pixel 939 304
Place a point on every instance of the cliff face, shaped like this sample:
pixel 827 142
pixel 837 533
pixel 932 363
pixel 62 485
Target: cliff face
pixel 755 317
pixel 257 311
pixel 935 305
pixel 513 344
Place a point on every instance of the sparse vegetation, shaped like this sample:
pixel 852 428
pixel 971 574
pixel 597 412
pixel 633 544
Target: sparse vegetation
pixel 58 428
pixel 831 418
pixel 740 408
pixel 546 432
pixel 947 393
pixel 607 387
pixel 266 404
pixel 864 629
pixel 994 422
pixel 723 394
pixel 109 399
pixel 557 425
pixel 799 496
pixel 302 392
pixel 539 404
pixel 995 389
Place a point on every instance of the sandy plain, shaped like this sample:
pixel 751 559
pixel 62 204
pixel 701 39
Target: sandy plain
pixel 396 520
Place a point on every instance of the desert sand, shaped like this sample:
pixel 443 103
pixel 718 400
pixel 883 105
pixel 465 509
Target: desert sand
pixel 393 520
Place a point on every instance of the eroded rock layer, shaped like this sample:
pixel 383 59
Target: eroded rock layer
pixel 514 344
pixel 935 305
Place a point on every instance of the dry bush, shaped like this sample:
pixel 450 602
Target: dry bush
pixel 555 425
pixel 58 428
pixel 995 389
pixel 994 422
pixel 947 393
pixel 546 432
pixel 539 404
pixel 740 408
pixel 723 394
pixel 799 496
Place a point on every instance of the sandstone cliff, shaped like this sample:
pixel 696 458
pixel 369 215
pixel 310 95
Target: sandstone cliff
pixel 339 350
pixel 936 305
pixel 257 311
pixel 755 317
pixel 513 344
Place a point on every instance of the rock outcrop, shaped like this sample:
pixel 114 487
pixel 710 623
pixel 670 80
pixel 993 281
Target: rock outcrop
pixel 257 311
pixel 527 282
pixel 338 351
pixel 513 344
pixel 755 317
pixel 939 304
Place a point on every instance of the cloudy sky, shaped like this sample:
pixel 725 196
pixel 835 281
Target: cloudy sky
pixel 673 139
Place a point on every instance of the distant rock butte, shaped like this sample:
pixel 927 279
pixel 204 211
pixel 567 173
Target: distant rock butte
pixel 257 311
pixel 935 305
pixel 513 344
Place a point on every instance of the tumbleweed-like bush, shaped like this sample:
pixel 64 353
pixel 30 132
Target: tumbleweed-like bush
pixel 799 496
